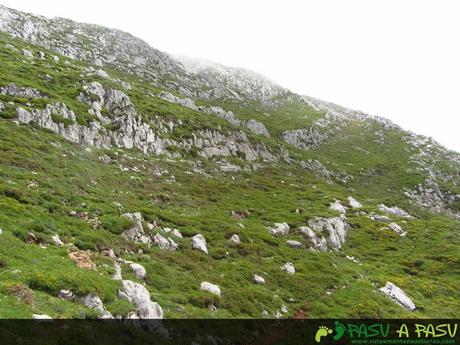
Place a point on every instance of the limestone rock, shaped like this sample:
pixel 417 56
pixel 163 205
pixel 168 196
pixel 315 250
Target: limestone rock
pixel 395 211
pixel 20 92
pixel 41 317
pixel 396 228
pixel 294 244
pixel 289 268
pixel 326 233
pixel 235 239
pixel 337 206
pixel 93 301
pixel 398 296
pixel 199 243
pixel 279 229
pixel 102 74
pixel 138 270
pixel 354 203
pixel 57 241
pixel 139 296
pixel 161 242
pixel 304 138
pixel 136 233
pixel 258 279
pixel 257 127
pixel 212 288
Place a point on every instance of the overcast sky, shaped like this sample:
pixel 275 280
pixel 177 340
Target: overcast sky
pixel 398 59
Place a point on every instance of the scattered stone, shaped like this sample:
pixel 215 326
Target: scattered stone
pixel 212 288
pixel 259 280
pixel 379 218
pixel 139 296
pixel 66 295
pixel 235 239
pixel 199 243
pixel 47 77
pixel 240 214
pixel 56 58
pixel 278 315
pixel 27 53
pixel 228 167
pixel 354 203
pixel 11 47
pixel 176 233
pixel 294 244
pixel 398 296
pixel 97 62
pixel 57 241
pixel 352 258
pixel 289 268
pixel 125 85
pixel 279 229
pixel 102 74
pixel 31 238
pixel 337 206
pixel 82 260
pixel 396 211
pixel 138 270
pixel 93 301
pixel 41 317
pixel 161 242
pixel 396 228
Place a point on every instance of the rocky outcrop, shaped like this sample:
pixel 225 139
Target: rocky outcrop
pixel 304 138
pixel 294 244
pixel 396 228
pixel 212 288
pixel 93 301
pixel 279 229
pixel 430 196
pixel 253 125
pixel 165 244
pixel 257 127
pixel 326 233
pixel 354 203
pixel 117 124
pixel 136 233
pixel 20 92
pixel 398 296
pixel 395 211
pixel 139 296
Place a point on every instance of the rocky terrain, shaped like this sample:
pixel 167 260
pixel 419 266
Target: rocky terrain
pixel 138 185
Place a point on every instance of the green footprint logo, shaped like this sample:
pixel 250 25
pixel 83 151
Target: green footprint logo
pixel 339 330
pixel 321 332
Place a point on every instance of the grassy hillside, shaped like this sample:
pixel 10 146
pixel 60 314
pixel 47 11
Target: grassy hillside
pixel 44 178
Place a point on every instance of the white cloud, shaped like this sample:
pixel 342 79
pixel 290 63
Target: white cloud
pixel 397 59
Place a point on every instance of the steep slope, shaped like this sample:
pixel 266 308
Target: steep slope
pixel 112 168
